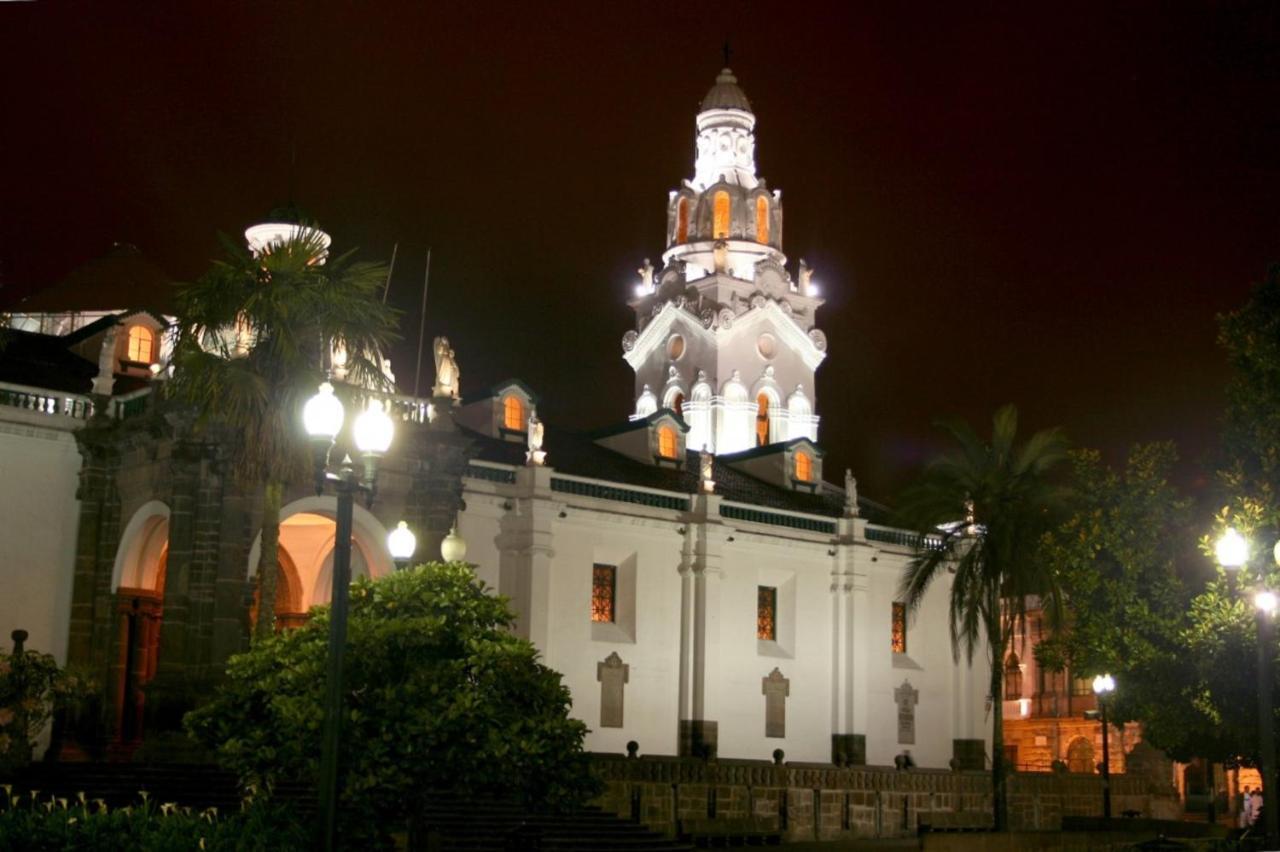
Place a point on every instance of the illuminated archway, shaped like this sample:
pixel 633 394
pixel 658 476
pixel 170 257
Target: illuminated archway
pixel 720 218
pixel 762 219
pixel 682 220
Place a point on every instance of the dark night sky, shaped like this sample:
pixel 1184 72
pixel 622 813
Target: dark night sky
pixel 1041 205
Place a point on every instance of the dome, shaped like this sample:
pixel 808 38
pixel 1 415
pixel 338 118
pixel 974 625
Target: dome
pixel 726 94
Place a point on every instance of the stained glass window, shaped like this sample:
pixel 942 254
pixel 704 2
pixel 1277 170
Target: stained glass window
pixel 604 585
pixel 899 628
pixel 766 613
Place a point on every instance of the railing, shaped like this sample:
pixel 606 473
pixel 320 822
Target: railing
pixel 130 405
pixel 504 475
pixel 807 523
pixel 902 538
pixel 589 488
pixel 75 406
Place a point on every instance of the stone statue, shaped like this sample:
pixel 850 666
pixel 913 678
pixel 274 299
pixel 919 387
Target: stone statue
pixel 806 274
pixel 970 518
pixel 850 494
pixel 706 464
pixel 646 275
pixel 447 373
pixel 536 455
pixel 105 380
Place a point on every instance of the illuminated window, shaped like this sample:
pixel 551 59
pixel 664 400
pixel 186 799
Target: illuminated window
pixel 762 219
pixel 667 442
pixel 1012 678
pixel 762 420
pixel 140 341
pixel 804 467
pixel 766 613
pixel 677 404
pixel 720 224
pixel 682 220
pixel 513 414
pixel 1081 686
pixel 899 638
pixel 604 586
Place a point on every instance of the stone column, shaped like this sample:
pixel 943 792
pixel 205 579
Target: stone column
pixel 534 553
pixel 848 746
pixel 700 571
pixel 94 534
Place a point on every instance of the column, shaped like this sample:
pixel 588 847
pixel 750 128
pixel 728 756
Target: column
pixel 701 575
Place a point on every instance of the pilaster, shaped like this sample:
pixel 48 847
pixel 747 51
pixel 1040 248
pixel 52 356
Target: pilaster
pixel 700 574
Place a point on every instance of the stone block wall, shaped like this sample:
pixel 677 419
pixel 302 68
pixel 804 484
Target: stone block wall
pixel 830 803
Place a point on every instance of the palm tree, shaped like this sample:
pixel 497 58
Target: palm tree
pixel 1003 493
pixel 256 331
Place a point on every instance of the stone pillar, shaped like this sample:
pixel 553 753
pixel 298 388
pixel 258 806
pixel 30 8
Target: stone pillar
pixel 848 746
pixel 700 572
pixel 95 535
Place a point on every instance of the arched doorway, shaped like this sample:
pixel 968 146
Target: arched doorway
pixel 138 582
pixel 1080 756
pixel 289 609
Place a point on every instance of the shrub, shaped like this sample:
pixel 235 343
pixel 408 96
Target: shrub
pixel 438 694
pixel 32 686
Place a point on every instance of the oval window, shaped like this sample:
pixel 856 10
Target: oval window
pixel 767 346
pixel 675 347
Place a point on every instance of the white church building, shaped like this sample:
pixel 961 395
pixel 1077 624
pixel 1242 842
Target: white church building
pixel 701 586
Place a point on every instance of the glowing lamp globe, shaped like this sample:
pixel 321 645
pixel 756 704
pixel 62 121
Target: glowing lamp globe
pixel 1266 601
pixel 1103 683
pixel 1232 549
pixel 454 546
pixel 402 543
pixel 322 416
pixel 373 429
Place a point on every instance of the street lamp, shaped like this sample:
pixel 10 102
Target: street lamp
pixel 402 543
pixel 1232 550
pixel 1104 685
pixel 322 417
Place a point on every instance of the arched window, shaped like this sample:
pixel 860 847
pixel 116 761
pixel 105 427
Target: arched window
pixel 762 219
pixel 682 220
pixel 666 442
pixel 677 404
pixel 762 420
pixel 513 414
pixel 804 467
pixel 140 343
pixel 1080 756
pixel 1012 678
pixel 720 223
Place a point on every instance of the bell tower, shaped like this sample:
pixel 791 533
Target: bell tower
pixel 724 335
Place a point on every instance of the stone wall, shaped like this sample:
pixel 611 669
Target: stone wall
pixel 827 803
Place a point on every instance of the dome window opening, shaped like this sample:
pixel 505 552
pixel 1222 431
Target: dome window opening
pixel 140 345
pixel 762 220
pixel 513 414
pixel 720 221
pixel 682 221
pixel 666 442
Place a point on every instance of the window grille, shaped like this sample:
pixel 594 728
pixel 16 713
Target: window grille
pixel 767 613
pixel 899 637
pixel 604 587
pixel 140 340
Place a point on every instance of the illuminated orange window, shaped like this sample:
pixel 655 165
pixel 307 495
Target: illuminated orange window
pixel 604 588
pixel 762 219
pixel 804 467
pixel 682 220
pixel 898 628
pixel 766 613
pixel 667 442
pixel 762 420
pixel 140 344
pixel 513 414
pixel 720 224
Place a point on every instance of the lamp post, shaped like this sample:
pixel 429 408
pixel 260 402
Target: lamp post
pixel 403 544
pixel 1104 685
pixel 1232 550
pixel 322 417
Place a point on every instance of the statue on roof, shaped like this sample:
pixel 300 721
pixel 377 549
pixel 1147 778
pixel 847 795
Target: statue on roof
pixel 535 430
pixel 104 382
pixel 806 276
pixel 448 375
pixel 646 275
pixel 850 494
pixel 706 467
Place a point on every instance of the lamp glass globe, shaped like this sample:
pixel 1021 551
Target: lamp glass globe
pixel 454 547
pixel 1103 683
pixel 374 429
pixel 1232 549
pixel 402 542
pixel 1266 601
pixel 322 416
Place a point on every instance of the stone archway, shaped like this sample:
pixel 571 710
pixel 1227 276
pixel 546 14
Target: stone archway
pixel 138 580
pixel 1080 756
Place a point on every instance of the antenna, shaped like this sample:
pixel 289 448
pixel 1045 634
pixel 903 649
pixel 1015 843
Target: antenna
pixel 390 269
pixel 422 322
pixel 726 53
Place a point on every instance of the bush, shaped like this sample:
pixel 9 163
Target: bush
pixel 437 694
pixel 33 824
pixel 32 686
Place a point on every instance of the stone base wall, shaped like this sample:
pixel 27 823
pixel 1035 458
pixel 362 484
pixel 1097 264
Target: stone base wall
pixel 830 803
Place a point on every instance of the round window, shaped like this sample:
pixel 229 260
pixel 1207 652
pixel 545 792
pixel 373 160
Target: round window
pixel 767 346
pixel 675 347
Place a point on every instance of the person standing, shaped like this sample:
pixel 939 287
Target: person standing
pixel 1246 809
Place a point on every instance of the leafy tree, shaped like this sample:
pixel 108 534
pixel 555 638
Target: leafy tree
pixel 1003 492
pixel 32 687
pixel 438 693
pixel 255 333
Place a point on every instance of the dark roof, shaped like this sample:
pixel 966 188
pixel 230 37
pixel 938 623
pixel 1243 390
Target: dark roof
pixel 578 454
pixel 726 94
pixel 770 449
pixel 507 383
pixel 639 423
pixel 43 361
pixel 120 278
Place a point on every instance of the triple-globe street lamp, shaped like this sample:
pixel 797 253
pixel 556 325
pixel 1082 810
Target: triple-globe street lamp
pixel 1232 551
pixel 1103 686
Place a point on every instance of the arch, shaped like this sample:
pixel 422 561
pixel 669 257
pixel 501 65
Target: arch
pixel 682 220
pixel 143 543
pixel 513 416
pixel 289 595
pixel 701 392
pixel 762 219
pixel 734 390
pixel 674 399
pixel 1080 756
pixel 667 444
pixel 804 466
pixel 721 209
pixel 762 419
pixel 140 345
pixel 646 403
pixel 1012 678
